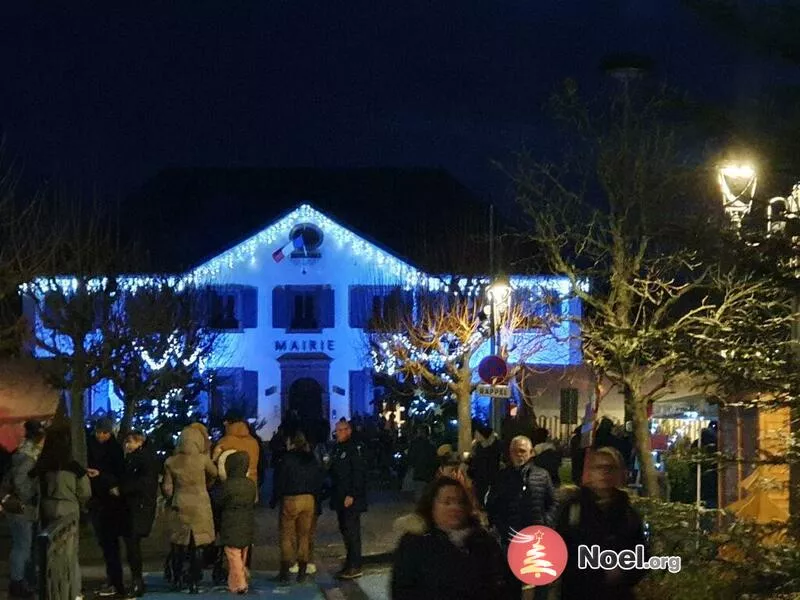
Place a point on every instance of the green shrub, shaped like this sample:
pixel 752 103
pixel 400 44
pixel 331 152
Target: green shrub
pixel 682 477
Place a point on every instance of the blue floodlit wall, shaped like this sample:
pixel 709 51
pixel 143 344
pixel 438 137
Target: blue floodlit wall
pixel 276 355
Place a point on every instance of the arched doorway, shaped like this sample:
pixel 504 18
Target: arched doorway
pixel 305 397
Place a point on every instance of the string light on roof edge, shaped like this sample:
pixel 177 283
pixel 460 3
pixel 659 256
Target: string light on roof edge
pixel 246 253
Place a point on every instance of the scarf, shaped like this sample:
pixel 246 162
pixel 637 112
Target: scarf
pixel 28 448
pixel 459 536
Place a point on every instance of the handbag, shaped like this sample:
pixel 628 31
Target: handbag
pixel 11 504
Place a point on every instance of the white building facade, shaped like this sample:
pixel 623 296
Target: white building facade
pixel 293 318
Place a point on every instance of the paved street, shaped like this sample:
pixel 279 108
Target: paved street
pixel 378 542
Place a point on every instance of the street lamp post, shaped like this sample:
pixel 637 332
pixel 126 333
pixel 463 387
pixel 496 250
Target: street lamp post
pixel 499 296
pixel 738 185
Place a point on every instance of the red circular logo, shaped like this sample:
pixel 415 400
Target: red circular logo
pixel 537 555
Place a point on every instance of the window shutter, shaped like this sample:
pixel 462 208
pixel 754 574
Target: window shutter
pixel 326 311
pixel 250 394
pixel 357 307
pixel 248 301
pixel 280 308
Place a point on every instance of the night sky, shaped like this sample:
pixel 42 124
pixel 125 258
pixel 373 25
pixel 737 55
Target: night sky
pixel 101 96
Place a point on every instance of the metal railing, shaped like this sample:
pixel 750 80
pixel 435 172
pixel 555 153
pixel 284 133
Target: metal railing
pixel 57 547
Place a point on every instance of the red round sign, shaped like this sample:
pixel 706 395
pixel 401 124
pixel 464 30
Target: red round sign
pixel 492 369
pixel 537 555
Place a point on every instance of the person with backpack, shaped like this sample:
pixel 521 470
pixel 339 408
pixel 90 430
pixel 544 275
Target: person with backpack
pixel 20 496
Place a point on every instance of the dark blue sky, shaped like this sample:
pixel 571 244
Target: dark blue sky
pixel 106 95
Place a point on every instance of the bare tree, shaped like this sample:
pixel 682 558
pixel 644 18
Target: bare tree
pixel 432 342
pixel 26 249
pixel 69 301
pixel 618 214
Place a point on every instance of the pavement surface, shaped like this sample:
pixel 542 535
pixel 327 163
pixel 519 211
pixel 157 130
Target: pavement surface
pixel 378 541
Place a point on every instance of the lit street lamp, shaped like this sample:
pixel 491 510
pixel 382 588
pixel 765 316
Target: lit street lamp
pixel 499 296
pixel 738 187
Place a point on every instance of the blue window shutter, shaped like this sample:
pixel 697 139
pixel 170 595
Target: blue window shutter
pixel 360 307
pixel 248 301
pixel 326 311
pixel 280 308
pixel 250 394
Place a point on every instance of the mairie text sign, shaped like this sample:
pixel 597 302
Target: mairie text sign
pixel 494 391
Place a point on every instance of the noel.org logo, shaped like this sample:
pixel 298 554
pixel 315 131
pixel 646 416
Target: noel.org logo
pixel 538 556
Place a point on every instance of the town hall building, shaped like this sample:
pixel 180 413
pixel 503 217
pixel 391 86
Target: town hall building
pixel 300 262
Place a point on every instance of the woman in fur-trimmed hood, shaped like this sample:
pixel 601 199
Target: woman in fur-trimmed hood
pixel 444 553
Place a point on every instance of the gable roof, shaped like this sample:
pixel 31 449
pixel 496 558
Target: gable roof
pixel 185 217
pixel 278 233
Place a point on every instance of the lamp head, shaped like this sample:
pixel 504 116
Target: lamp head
pixel 499 290
pixel 738 184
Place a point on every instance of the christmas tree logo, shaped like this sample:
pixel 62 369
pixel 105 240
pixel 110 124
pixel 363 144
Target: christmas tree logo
pixel 537 555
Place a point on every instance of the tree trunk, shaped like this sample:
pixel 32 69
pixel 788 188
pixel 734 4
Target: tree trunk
pixel 78 420
pixel 641 432
pixel 463 394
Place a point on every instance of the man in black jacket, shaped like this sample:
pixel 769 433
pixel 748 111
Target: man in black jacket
pixel 522 496
pixel 139 489
pixel 106 465
pixel 348 496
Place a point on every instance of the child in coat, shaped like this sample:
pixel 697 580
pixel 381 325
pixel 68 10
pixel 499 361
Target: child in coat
pixel 237 506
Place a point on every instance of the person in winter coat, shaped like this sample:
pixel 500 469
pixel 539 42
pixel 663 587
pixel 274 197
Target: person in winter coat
pixel 237 506
pixel 547 456
pixel 522 496
pixel 206 438
pixel 422 461
pixel 21 524
pixel 138 489
pixel 65 491
pixel 600 513
pixel 484 464
pixel 348 475
pixel 237 437
pixel 106 465
pixel 186 477
pixel 297 489
pixel 444 553
pixel 577 454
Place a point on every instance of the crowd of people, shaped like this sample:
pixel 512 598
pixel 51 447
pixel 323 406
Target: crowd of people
pixel 469 509
pixel 211 492
pixel 453 546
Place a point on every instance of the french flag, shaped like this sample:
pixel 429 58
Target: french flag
pixel 296 244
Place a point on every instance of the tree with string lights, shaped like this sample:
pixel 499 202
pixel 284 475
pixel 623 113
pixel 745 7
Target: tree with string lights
pixel 433 345
pixel 159 341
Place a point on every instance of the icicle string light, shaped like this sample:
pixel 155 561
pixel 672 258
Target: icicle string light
pixel 247 253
